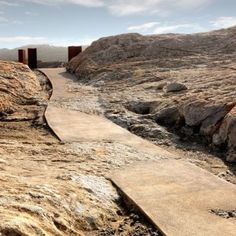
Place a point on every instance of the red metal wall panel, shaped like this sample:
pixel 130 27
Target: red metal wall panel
pixel 32 58
pixel 22 56
pixel 73 51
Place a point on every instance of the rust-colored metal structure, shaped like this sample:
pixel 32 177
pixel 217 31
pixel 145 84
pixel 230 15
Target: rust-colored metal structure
pixel 22 56
pixel 73 51
pixel 32 58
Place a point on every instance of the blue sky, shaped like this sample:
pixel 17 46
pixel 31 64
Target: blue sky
pixel 72 22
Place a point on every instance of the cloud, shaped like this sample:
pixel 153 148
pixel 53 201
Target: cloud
pixel 22 40
pixel 29 13
pixel 8 4
pixel 179 28
pixel 224 22
pixel 162 28
pixel 161 7
pixel 131 7
pixel 143 27
pixel 16 22
pixel 67 42
pixel 189 4
pixel 86 3
pixel 3 20
pixel 126 8
pixel 17 41
pixel 167 27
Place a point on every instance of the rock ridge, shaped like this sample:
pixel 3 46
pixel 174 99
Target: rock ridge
pixel 185 82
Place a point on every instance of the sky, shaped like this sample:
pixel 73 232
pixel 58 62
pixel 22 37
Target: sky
pixel 79 22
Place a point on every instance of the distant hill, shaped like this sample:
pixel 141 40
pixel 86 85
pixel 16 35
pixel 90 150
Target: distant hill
pixel 46 53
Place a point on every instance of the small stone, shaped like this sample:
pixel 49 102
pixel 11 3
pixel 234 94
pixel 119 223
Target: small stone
pixel 221 174
pixel 232 214
pixel 175 87
pixel 161 86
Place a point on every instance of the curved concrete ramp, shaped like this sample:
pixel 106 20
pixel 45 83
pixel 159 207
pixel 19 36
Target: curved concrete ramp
pixel 178 197
pixel 74 126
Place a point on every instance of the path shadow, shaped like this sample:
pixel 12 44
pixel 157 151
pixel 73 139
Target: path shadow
pixel 68 76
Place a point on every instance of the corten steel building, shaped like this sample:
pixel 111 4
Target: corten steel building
pixel 73 51
pixel 32 58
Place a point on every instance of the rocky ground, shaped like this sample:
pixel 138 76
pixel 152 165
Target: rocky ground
pixel 185 83
pixel 97 100
pixel 51 188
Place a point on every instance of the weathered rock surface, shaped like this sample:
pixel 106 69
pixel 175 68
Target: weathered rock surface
pixel 135 47
pixel 132 67
pixel 206 115
pixel 20 92
pixel 227 134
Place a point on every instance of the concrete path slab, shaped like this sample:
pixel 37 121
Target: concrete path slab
pixel 74 126
pixel 177 197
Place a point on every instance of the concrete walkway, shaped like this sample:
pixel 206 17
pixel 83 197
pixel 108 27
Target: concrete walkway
pixel 178 197
pixel 74 126
pixel 175 195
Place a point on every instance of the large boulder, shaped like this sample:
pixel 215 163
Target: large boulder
pixel 19 91
pixel 201 112
pixel 227 134
pixel 217 122
pixel 212 122
pixel 168 116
